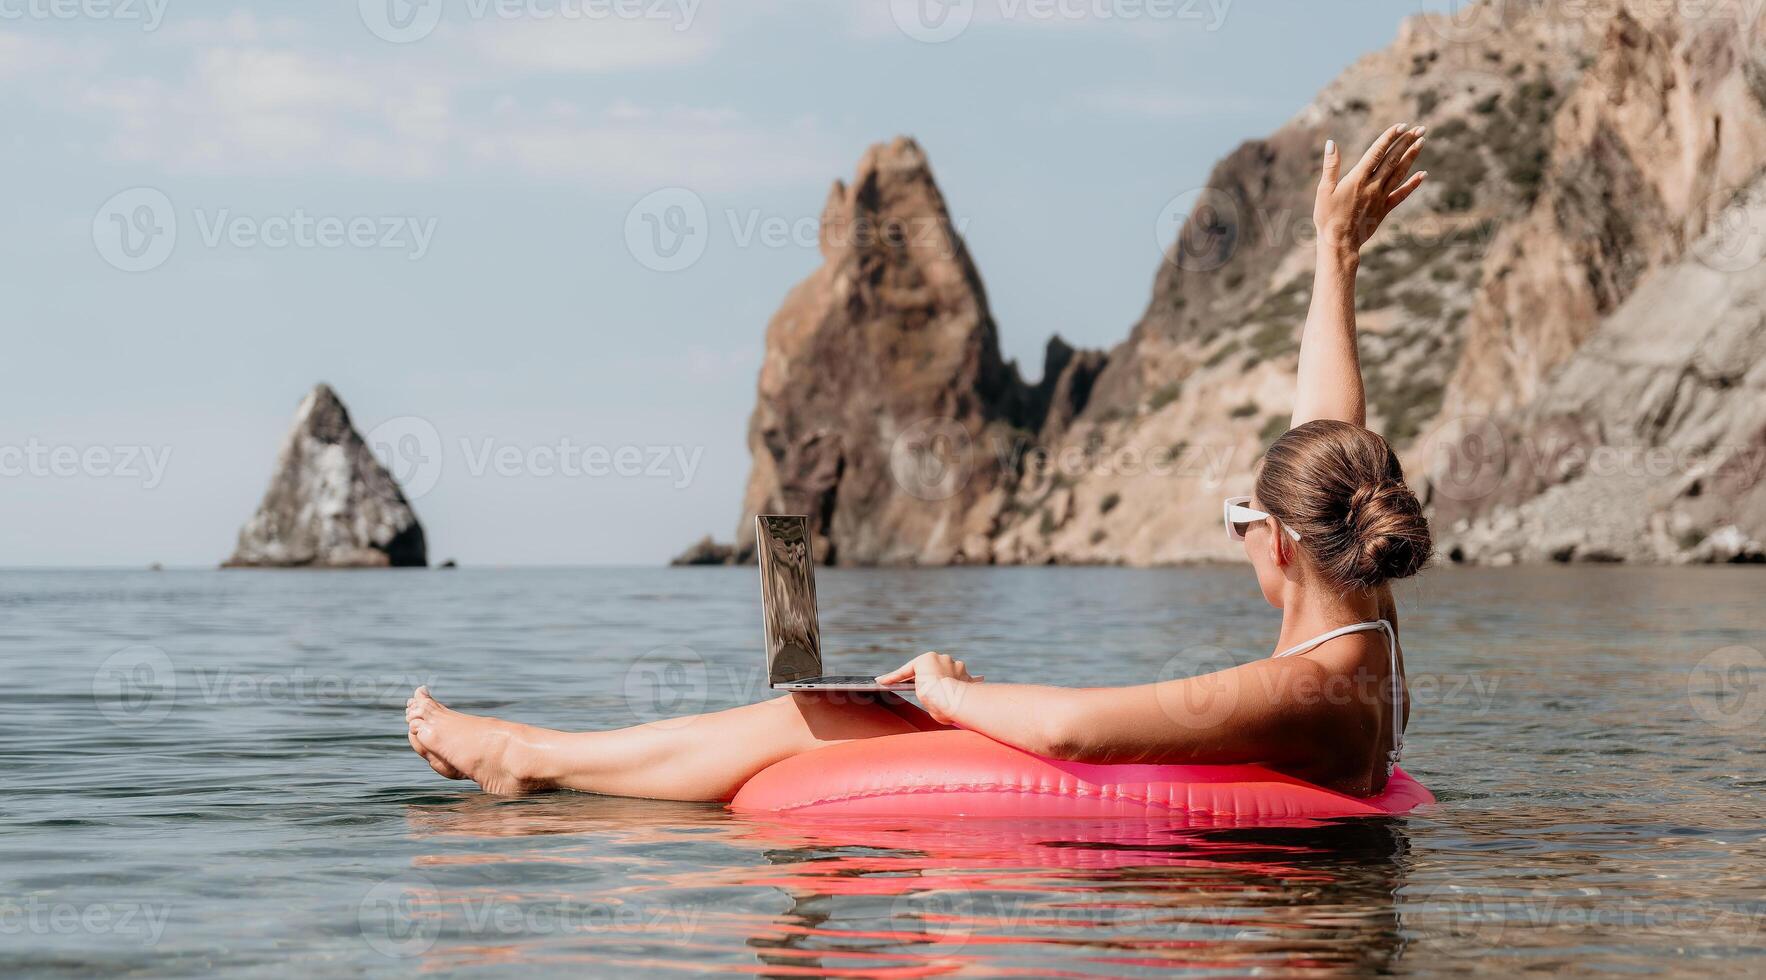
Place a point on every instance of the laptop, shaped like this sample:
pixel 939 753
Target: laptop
pixel 788 608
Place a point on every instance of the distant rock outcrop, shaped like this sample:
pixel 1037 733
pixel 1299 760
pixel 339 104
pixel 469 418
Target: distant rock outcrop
pixel 330 503
pixel 1561 332
pixel 705 551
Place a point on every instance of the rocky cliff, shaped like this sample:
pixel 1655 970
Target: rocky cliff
pixel 330 503
pixel 1579 274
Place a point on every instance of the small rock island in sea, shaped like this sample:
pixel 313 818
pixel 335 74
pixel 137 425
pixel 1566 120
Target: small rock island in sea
pixel 330 503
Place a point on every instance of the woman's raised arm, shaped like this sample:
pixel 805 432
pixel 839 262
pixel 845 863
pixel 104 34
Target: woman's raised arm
pixel 1348 211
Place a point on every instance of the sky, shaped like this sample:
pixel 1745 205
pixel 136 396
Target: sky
pixel 534 244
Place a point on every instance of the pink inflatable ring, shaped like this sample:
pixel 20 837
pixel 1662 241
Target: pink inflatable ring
pixel 960 773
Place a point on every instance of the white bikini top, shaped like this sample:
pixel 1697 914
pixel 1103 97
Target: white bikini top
pixel 1397 688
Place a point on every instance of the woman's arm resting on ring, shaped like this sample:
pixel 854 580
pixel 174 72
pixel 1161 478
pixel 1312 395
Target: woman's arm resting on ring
pixel 1348 210
pixel 1266 711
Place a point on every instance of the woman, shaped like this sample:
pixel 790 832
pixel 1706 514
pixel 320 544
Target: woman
pixel 1329 525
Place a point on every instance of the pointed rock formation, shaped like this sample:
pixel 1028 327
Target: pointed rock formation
pixel 330 503
pixel 883 386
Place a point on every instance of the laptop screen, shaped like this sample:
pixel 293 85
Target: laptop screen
pixel 788 598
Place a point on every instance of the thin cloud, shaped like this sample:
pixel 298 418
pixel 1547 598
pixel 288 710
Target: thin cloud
pixel 251 101
pixel 583 47
pixel 627 148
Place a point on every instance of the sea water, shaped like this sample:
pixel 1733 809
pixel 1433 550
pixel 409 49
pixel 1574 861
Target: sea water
pixel 208 771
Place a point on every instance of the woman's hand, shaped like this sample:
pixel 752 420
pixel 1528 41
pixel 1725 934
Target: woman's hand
pixel 939 683
pixel 1349 210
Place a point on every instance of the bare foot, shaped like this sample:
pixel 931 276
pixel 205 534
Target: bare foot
pixel 435 761
pixel 492 753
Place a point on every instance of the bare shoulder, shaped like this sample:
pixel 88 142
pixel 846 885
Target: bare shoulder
pixel 1351 650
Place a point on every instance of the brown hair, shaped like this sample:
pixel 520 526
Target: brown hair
pixel 1340 486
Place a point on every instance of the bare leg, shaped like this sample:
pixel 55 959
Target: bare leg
pixel 697 757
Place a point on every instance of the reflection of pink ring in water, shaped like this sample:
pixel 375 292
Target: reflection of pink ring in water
pixel 951 773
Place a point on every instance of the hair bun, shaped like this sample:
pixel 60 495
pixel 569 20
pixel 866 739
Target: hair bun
pixel 1342 489
pixel 1390 536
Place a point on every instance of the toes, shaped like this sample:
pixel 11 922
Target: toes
pixel 436 762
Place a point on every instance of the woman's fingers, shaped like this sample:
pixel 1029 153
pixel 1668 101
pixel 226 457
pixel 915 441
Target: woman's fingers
pixel 900 674
pixel 1405 189
pixel 1332 168
pixel 1379 178
pixel 926 667
pixel 1377 152
pixel 1400 169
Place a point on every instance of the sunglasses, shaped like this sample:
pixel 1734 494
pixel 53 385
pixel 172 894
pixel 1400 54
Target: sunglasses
pixel 1240 516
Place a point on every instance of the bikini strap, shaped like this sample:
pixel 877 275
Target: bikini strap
pixel 1397 689
pixel 1333 634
